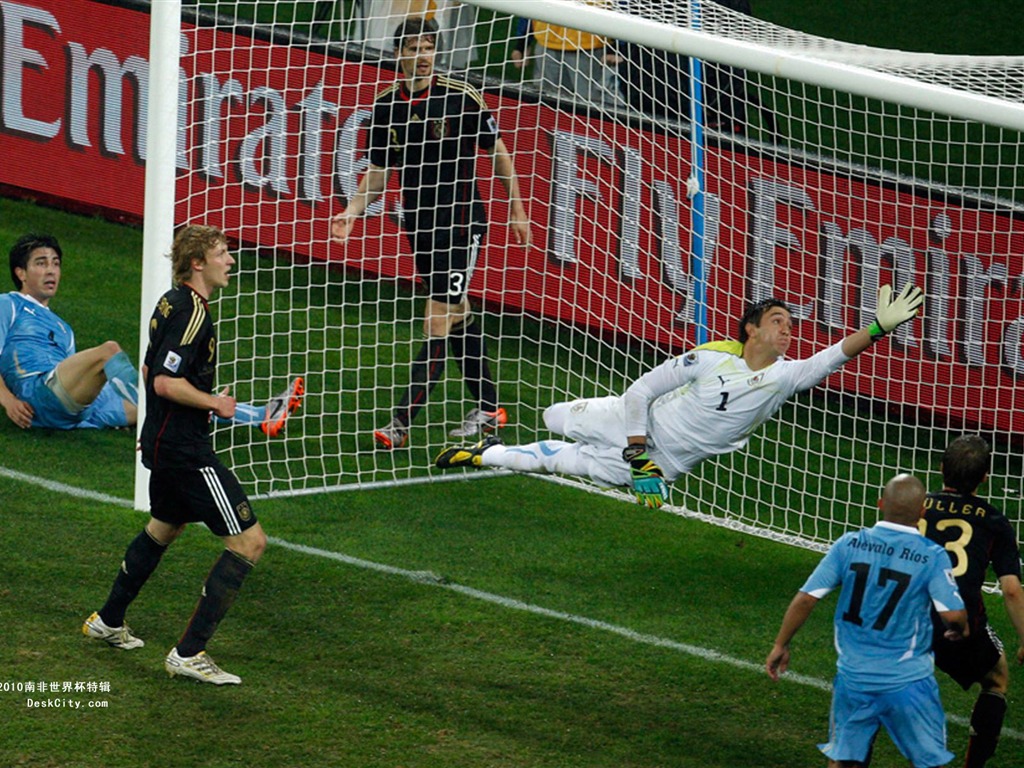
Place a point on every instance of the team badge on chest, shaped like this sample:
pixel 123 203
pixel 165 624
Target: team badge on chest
pixel 439 128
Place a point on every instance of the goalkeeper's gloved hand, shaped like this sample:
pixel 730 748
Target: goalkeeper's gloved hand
pixel 892 313
pixel 648 480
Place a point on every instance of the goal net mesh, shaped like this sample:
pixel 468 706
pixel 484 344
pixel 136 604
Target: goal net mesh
pixel 809 193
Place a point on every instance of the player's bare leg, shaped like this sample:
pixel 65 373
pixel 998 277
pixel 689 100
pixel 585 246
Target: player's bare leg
pixel 85 373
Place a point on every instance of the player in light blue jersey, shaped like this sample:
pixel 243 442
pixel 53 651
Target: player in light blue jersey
pixel 46 382
pixel 890 577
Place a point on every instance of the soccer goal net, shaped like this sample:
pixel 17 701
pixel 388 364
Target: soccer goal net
pixel 675 161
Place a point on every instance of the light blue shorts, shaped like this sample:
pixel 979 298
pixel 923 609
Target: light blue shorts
pixel 912 715
pixel 105 412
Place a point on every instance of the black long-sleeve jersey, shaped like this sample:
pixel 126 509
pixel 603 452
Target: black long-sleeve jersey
pixel 432 138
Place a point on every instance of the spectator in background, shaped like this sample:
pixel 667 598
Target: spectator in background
pixel 458 35
pixel 657 82
pixel 726 87
pixel 890 578
pixel 569 61
pixel 976 534
pixel 456 22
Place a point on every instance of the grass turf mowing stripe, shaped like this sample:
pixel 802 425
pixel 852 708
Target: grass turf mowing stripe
pixel 433 579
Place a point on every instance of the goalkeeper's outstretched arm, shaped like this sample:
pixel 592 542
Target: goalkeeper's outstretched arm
pixel 892 312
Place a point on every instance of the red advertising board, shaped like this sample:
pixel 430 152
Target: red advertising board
pixel 273 146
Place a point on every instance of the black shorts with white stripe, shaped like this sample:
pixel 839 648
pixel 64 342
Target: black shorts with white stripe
pixel 210 495
pixel 445 260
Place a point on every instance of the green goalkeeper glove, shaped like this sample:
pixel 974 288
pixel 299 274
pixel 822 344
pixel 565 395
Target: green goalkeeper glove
pixel 648 480
pixel 892 313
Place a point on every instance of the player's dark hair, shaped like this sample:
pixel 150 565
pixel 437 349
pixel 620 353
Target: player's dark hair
pixel 755 312
pixel 24 246
pixel 965 462
pixel 192 243
pixel 415 26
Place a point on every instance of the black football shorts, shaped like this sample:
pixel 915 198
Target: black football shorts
pixel 445 260
pixel 210 495
pixel 968 661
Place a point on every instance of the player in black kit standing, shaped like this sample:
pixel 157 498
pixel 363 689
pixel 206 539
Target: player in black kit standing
pixel 976 534
pixel 431 127
pixel 187 483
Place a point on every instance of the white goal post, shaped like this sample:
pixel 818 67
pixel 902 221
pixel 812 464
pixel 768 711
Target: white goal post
pixel 762 162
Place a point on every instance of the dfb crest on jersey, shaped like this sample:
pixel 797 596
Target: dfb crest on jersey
pixel 439 128
pixel 244 511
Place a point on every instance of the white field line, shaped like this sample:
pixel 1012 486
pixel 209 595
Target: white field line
pixel 432 579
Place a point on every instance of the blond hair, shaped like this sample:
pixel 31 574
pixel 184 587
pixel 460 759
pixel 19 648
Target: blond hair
pixel 192 243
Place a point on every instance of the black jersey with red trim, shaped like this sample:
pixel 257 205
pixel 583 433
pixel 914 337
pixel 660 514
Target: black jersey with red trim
pixel 976 534
pixel 432 138
pixel 182 344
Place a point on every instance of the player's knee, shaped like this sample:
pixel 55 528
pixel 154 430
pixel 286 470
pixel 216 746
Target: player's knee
pixel 108 349
pixel 554 417
pixel 438 327
pixel 163 533
pixel 998 678
pixel 250 544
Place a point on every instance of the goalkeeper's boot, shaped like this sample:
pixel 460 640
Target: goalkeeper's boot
pixel 466 457
pixel 282 406
pixel 478 421
pixel 392 436
pixel 199 667
pixel 118 637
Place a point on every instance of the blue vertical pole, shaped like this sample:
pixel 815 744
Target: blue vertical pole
pixel 695 189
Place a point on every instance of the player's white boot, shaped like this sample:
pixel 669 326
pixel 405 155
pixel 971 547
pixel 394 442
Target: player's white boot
pixel 478 421
pixel 199 667
pixel 391 436
pixel 118 637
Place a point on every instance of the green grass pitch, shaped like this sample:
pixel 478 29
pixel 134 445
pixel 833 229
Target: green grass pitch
pixel 442 625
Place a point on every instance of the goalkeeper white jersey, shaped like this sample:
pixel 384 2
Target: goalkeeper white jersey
pixel 708 401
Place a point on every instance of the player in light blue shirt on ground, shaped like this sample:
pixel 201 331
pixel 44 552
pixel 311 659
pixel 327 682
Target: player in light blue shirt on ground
pixel 45 382
pixel 890 577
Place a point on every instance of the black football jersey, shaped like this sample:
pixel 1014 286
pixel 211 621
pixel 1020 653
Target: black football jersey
pixel 432 139
pixel 976 534
pixel 182 344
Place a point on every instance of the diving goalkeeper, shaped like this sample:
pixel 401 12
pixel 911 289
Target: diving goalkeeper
pixel 701 404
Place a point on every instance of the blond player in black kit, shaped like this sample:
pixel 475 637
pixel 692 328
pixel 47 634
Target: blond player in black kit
pixel 188 484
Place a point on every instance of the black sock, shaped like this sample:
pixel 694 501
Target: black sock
pixel 219 592
pixel 986 725
pixel 140 560
pixel 427 369
pixel 469 350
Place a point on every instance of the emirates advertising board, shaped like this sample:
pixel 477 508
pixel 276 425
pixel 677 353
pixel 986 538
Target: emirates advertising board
pixel 273 143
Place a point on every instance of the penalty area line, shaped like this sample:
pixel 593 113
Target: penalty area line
pixel 432 579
